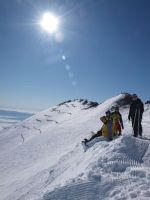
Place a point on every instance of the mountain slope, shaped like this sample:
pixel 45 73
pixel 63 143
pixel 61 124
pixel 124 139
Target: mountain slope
pixel 42 157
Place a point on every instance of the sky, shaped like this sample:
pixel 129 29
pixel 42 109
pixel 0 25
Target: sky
pixel 100 49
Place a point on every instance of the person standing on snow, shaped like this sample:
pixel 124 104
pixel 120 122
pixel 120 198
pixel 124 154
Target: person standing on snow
pixel 117 120
pixel 135 115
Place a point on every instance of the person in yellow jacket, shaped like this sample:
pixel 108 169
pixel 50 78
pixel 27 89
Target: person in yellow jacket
pixel 117 121
pixel 107 130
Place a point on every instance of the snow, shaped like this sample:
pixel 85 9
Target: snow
pixel 11 117
pixel 42 157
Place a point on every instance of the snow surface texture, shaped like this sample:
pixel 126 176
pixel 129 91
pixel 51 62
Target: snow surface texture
pixel 9 118
pixel 42 157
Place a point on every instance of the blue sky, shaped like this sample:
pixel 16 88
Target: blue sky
pixel 104 50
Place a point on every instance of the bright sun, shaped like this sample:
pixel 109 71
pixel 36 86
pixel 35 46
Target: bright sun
pixel 49 22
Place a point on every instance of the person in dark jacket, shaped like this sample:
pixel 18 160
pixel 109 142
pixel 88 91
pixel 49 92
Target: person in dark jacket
pixel 135 115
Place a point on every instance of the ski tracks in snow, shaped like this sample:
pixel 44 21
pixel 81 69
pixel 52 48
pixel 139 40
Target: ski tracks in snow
pixel 84 191
pixel 129 163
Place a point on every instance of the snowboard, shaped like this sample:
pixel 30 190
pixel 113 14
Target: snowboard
pixel 84 145
pixel 89 144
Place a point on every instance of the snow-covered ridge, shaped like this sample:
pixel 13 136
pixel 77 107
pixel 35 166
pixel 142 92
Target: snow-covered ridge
pixel 42 157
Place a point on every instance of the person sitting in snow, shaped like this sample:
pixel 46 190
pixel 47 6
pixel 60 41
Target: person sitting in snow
pixel 107 130
pixel 117 120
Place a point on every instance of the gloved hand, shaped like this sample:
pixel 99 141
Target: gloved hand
pixel 122 127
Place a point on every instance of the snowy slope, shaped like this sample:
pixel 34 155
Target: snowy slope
pixel 9 117
pixel 42 157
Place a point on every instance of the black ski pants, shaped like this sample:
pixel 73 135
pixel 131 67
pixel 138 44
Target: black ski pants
pixel 137 126
pixel 98 134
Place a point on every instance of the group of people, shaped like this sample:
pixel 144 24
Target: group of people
pixel 113 123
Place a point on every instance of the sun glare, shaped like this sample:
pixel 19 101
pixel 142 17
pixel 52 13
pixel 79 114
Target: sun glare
pixel 49 22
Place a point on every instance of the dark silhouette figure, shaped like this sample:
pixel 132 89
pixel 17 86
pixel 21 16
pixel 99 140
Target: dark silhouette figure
pixel 135 115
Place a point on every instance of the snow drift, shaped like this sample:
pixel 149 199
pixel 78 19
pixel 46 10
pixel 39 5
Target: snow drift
pixel 42 157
